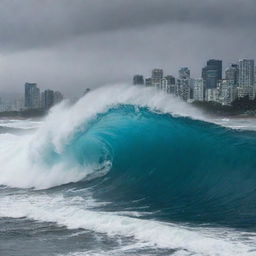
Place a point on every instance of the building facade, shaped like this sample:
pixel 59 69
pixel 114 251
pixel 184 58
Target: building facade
pixel 227 92
pixel 198 89
pixel 138 80
pixel 212 73
pixel 246 78
pixel 183 89
pixel 232 74
pixel 212 95
pixel 32 96
pixel 47 99
pixel 156 77
pixel 184 73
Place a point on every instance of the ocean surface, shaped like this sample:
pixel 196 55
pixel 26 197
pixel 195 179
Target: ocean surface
pixel 128 171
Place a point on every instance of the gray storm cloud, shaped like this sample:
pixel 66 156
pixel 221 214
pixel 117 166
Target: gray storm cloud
pixel 71 45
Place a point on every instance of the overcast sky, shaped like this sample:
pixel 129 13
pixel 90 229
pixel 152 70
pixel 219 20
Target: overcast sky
pixel 70 45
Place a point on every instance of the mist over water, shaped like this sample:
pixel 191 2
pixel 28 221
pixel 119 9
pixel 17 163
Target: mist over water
pixel 128 171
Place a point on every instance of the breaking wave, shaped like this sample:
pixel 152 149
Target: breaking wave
pixel 141 151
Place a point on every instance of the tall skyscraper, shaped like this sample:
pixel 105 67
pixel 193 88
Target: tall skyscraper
pixel 170 84
pixel 157 75
pixel 198 89
pixel 246 73
pixel 212 73
pixel 156 78
pixel 183 84
pixel 32 96
pixel 138 80
pixel 47 99
pixel 184 73
pixel 232 74
pixel 246 79
pixel 183 89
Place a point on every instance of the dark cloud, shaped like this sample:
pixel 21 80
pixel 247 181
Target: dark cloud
pixel 33 23
pixel 74 44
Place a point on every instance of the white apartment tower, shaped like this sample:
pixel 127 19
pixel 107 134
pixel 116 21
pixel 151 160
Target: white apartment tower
pixel 198 89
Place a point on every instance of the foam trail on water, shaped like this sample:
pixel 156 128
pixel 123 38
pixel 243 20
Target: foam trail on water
pixel 197 241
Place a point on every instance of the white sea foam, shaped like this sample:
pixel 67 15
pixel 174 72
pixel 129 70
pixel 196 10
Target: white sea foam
pixel 20 124
pixel 73 215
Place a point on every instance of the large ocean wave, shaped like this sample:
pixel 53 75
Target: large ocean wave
pixel 47 157
pixel 190 169
pixel 143 152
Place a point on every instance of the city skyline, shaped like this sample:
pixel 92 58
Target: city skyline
pixel 238 81
pixel 18 100
pixel 70 44
pixel 33 98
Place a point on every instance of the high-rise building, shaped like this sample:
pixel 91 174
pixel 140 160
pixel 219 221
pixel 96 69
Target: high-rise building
pixel 212 73
pixel 198 89
pixel 183 89
pixel 170 80
pixel 227 92
pixel 170 84
pixel 183 86
pixel 138 80
pixel 157 75
pixel 184 73
pixel 232 74
pixel 246 73
pixel 47 99
pixel 246 78
pixel 164 85
pixel 32 96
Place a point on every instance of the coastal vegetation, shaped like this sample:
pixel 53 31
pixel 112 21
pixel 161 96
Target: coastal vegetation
pixel 240 106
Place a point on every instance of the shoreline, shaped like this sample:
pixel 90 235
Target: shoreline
pixel 23 115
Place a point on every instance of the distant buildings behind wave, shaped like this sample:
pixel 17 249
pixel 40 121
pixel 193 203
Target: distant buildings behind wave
pixel 33 99
pixel 239 81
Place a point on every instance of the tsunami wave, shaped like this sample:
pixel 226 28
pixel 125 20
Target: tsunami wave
pixel 135 162
pixel 44 159
pixel 175 163
pixel 141 127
